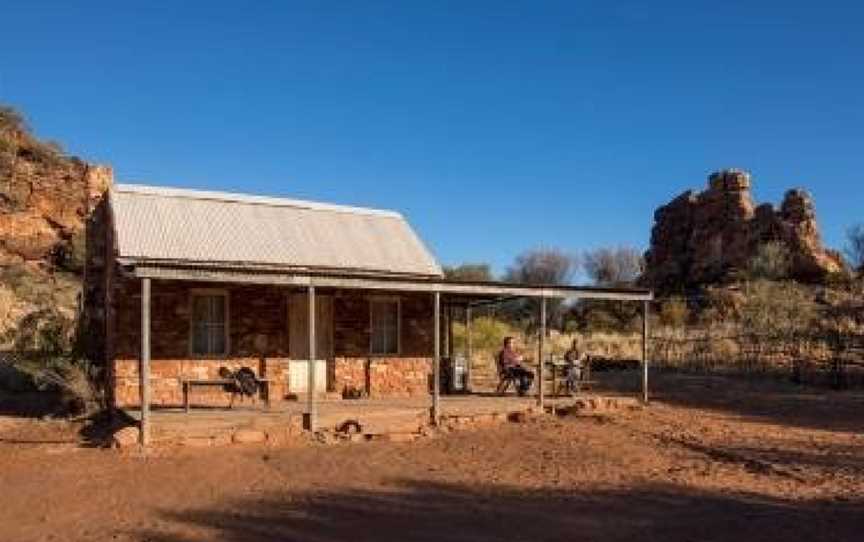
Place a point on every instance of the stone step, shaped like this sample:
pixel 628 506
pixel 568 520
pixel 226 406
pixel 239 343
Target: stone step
pixel 323 396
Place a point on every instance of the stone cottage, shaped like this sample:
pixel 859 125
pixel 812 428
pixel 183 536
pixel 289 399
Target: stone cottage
pixel 310 296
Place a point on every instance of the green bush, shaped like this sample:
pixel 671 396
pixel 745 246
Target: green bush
pixel 487 333
pixel 772 261
pixel 77 381
pixel 674 312
pixel 777 309
pixel 71 255
pixel 27 284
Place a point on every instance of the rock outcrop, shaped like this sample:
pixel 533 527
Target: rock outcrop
pixel 43 206
pixel 46 198
pixel 707 237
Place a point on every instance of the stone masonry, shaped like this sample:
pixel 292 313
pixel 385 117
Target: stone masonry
pixel 259 339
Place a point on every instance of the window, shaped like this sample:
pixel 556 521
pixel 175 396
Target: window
pixel 385 326
pixel 209 324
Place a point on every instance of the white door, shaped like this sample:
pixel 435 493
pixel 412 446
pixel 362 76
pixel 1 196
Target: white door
pixel 298 376
pixel 298 341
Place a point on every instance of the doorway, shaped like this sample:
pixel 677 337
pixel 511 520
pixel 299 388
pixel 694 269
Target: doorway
pixel 298 341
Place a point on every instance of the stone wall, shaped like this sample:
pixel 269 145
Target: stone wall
pixel 259 339
pixel 383 376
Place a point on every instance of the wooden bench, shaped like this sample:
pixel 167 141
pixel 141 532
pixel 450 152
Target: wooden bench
pixel 188 384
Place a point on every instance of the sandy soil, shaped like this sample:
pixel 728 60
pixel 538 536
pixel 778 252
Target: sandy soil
pixel 711 459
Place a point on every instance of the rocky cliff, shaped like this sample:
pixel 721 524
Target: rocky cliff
pixel 45 199
pixel 706 237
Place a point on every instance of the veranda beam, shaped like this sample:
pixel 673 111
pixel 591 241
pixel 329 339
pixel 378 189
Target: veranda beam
pixel 144 364
pixel 293 278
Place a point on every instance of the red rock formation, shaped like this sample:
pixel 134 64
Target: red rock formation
pixel 703 238
pixel 43 205
pixel 46 198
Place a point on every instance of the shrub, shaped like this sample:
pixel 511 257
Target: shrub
pixel 776 319
pixel 777 308
pixel 8 302
pixel 44 350
pixel 480 272
pixel 721 305
pixel 613 266
pixel 45 331
pixel 77 381
pixel 539 266
pixel 487 333
pixel 674 312
pixel 48 153
pixel 71 255
pixel 855 247
pixel 605 315
pixel 772 261
pixel 11 120
pixel 27 284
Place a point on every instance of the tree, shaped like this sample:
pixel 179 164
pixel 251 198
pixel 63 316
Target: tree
pixel 772 261
pixel 547 266
pixel 620 266
pixel 476 272
pixel 776 316
pixel 855 247
pixel 608 266
pixel 674 312
pixel 542 266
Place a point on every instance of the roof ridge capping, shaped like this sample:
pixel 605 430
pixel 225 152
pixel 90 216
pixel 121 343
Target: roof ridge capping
pixel 252 199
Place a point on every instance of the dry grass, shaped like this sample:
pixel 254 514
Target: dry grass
pixel 10 307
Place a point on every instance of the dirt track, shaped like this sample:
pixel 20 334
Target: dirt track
pixel 710 460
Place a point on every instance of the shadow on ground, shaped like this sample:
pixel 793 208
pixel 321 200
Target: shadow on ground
pixel 433 512
pixel 754 396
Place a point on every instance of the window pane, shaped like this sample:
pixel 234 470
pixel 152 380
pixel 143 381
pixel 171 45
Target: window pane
pixel 392 341
pixel 217 339
pixel 209 324
pixel 200 308
pixel 217 309
pixel 385 327
pixel 199 339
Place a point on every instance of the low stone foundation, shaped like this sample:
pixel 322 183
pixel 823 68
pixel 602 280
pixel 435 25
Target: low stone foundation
pixel 383 377
pixel 373 377
pixel 166 376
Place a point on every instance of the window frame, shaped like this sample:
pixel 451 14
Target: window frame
pixel 385 299
pixel 210 292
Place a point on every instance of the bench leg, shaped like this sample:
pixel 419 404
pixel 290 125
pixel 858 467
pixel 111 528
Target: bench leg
pixel 186 397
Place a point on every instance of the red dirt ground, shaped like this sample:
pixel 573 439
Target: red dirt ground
pixel 710 459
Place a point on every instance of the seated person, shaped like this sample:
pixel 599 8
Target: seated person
pixel 575 359
pixel 511 367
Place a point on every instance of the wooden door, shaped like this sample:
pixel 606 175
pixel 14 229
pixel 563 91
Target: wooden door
pixel 298 341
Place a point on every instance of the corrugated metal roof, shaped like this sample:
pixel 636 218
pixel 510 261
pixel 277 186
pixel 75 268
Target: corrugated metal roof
pixel 155 223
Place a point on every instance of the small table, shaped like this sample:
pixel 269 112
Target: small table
pixel 557 370
pixel 188 384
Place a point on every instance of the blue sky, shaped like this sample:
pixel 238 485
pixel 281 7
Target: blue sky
pixel 494 126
